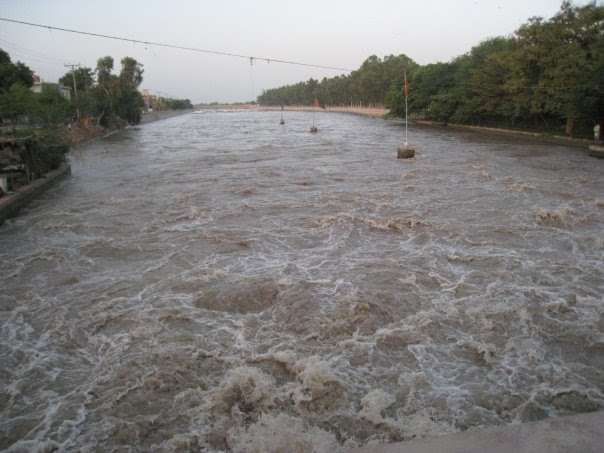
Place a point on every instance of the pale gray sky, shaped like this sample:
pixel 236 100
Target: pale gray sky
pixel 339 33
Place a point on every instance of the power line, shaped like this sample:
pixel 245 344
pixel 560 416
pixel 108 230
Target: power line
pixel 31 54
pixel 174 46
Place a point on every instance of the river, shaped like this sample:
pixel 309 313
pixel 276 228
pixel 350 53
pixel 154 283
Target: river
pixel 217 281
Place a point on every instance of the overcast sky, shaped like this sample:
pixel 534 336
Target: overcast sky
pixel 337 33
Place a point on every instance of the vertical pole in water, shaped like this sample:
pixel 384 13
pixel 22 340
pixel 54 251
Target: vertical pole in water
pixel 406 96
pixel 252 76
pixel 404 152
pixel 315 104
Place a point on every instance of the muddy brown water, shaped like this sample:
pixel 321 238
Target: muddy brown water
pixel 217 281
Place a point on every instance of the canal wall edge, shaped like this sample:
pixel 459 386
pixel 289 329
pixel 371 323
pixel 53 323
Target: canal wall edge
pixel 11 204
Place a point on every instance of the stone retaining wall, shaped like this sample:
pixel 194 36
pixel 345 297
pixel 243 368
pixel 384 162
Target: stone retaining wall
pixel 11 204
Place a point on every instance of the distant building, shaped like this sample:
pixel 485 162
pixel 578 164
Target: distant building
pixel 149 99
pixel 38 83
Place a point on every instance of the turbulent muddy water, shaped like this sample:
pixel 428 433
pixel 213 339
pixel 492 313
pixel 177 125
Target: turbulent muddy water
pixel 217 282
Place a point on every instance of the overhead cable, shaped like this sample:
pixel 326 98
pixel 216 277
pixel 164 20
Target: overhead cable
pixel 30 54
pixel 174 46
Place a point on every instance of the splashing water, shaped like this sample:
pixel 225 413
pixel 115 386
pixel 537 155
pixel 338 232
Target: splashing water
pixel 222 282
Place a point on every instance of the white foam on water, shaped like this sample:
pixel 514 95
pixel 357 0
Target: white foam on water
pixel 233 298
pixel 282 433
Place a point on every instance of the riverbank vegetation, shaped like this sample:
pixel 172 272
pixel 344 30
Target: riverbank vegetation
pixel 96 95
pixel 31 143
pixel 172 104
pixel 548 76
pixel 41 120
pixel 29 154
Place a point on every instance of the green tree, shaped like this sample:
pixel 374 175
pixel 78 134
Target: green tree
pixel 15 80
pixel 104 91
pixel 487 81
pixel 369 83
pixel 553 66
pixel 52 107
pixel 129 101
pixel 427 87
pixel 84 79
pixel 17 102
pixel 11 73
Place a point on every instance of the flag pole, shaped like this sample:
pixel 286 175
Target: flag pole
pixel 315 103
pixel 405 152
pixel 406 95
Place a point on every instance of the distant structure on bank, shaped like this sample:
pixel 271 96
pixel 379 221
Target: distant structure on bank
pixel 150 100
pixel 39 83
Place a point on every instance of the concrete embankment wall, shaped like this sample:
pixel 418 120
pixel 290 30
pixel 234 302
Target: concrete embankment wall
pixel 162 114
pixel 11 204
pixel 365 111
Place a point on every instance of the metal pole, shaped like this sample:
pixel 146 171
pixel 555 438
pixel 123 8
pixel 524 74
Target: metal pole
pixel 405 107
pixel 405 120
pixel 75 89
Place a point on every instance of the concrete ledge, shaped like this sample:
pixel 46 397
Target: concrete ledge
pixel 596 151
pixel 150 117
pixel 575 433
pixel 11 204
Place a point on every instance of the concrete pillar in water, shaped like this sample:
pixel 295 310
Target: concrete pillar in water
pixel 405 152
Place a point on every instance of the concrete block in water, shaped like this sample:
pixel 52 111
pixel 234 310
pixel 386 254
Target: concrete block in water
pixel 405 152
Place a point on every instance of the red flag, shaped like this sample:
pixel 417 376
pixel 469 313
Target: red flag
pixel 406 86
pixel 316 103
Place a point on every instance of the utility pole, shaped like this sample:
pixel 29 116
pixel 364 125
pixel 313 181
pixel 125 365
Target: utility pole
pixel 75 89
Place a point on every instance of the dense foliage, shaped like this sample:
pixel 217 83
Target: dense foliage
pixel 41 151
pixel 111 99
pixel 11 73
pixel 116 97
pixel 33 152
pixel 374 83
pixel 548 76
pixel 172 104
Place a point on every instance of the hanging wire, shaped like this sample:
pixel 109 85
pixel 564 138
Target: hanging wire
pixel 172 46
pixel 30 54
pixel 252 76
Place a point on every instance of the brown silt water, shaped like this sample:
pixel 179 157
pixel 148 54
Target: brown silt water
pixel 221 282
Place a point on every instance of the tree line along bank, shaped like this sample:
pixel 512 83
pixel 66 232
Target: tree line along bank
pixel 546 77
pixel 38 127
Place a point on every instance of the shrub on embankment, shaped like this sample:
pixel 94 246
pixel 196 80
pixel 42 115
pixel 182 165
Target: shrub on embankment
pixel 29 154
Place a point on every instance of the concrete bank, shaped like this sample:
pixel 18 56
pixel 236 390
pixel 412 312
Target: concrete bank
pixel 11 204
pixel 560 139
pixel 575 433
pixel 383 113
pixel 149 117
pixel 596 151
pixel 365 111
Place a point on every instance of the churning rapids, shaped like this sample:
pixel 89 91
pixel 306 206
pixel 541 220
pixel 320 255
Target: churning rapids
pixel 217 281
